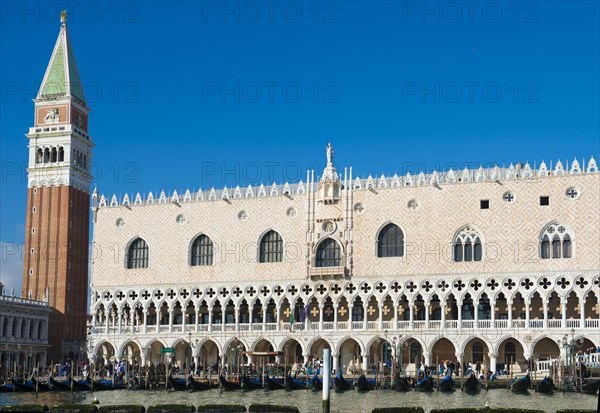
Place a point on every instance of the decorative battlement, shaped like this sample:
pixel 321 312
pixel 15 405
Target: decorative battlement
pixel 513 172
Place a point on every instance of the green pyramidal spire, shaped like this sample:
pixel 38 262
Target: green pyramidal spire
pixel 62 77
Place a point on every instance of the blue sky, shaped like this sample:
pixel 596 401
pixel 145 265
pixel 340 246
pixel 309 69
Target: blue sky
pixel 201 94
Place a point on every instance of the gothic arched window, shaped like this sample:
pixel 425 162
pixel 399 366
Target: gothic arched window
pixel 467 246
pixel 271 247
pixel 202 251
pixel 556 242
pixel 329 254
pixel 390 242
pixel 137 255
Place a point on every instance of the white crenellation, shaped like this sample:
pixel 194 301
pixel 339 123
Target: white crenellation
pixel 435 178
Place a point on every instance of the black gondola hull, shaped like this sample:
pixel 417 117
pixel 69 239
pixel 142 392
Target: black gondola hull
pixel 545 386
pixel 200 385
pixel 591 387
pixel 178 384
pixel 425 385
pixel 402 385
pixel 63 385
pixel 472 384
pixel 521 385
pixel 82 385
pixel 250 384
pixel 230 385
pixel 363 384
pixel 341 384
pixel 447 385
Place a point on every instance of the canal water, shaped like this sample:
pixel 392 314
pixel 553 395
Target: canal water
pixel 310 401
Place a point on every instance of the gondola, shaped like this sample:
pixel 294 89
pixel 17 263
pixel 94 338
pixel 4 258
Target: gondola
pixel 545 386
pixel 7 388
pixel 447 384
pixel 178 383
pixel 251 384
pixel 341 384
pixel 273 383
pixel 317 383
pixel 23 385
pixel 425 384
pixel 472 384
pixel 230 384
pixel 402 384
pixel 82 385
pixel 200 385
pixel 41 385
pixel 107 384
pixel 590 386
pixel 520 385
pixel 292 383
pixel 60 385
pixel 364 384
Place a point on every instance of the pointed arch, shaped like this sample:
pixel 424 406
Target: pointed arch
pixel 390 241
pixel 328 253
pixel 137 254
pixel 201 251
pixel 467 245
pixel 556 241
pixel 271 247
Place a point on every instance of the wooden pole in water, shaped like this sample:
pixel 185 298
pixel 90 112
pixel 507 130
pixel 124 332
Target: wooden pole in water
pixel 437 367
pixel 37 380
pixel 462 371
pixel 326 379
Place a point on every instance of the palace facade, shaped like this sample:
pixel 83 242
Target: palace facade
pixel 496 264
pixel 23 333
pixel 489 264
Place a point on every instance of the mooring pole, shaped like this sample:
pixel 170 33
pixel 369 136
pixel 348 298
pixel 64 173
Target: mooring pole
pixel 326 379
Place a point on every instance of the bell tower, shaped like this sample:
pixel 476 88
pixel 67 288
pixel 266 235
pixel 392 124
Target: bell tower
pixel 58 201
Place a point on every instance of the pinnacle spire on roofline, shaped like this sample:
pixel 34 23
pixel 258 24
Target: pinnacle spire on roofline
pixel 62 76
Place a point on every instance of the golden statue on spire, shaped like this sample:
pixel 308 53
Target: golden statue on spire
pixel 63 17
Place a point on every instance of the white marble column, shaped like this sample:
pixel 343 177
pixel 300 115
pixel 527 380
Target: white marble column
pixel 380 319
pixel 336 365
pixel 493 360
pixel 335 317
pixel 563 310
pixel 545 309
pixel 171 311
pixel 443 311
pixel 582 313
pixel 350 325
pixel 210 319
pixel 237 319
pixel 321 308
pixel 509 305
